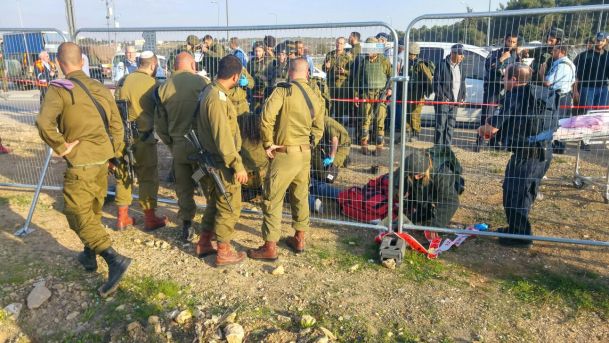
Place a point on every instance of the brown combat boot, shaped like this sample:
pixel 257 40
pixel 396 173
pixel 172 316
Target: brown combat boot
pixel 227 256
pixel 122 218
pixel 267 252
pixel 364 145
pixel 296 243
pixel 205 247
pixel 152 222
pixel 380 143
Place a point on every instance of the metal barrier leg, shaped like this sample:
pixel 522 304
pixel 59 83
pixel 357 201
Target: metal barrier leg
pixel 26 227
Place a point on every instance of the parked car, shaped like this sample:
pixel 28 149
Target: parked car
pixel 473 67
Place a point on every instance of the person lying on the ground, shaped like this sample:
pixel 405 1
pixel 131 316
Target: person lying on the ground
pixel 431 193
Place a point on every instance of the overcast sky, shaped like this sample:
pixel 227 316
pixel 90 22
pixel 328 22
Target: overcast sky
pixel 134 13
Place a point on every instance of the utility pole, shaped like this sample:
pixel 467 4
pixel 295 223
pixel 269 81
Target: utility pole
pixel 227 33
pixel 70 17
pixel 488 26
pixel 108 15
pixel 600 19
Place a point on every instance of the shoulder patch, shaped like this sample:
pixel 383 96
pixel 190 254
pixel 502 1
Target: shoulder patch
pixel 284 84
pixel 222 95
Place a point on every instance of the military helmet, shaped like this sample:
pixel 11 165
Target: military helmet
pixel 192 40
pixel 414 49
pixel 371 40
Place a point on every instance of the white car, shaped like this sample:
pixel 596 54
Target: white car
pixel 473 67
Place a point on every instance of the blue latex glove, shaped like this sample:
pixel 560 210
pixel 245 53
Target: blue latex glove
pixel 243 82
pixel 328 161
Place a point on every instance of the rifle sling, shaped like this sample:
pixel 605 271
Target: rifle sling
pixel 307 99
pixel 100 109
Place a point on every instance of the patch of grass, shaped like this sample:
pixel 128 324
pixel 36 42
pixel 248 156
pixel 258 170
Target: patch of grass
pixel 559 160
pixel 4 201
pixel 418 267
pixel 581 293
pixel 84 338
pixel 496 170
pixel 344 256
pixel 150 296
pixel 16 273
pixel 21 200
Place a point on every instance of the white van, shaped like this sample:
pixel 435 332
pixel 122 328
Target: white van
pixel 473 67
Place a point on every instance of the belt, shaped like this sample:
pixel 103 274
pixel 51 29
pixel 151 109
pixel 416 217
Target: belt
pixel 294 148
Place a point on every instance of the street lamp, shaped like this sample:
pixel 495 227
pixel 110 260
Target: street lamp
pixel 275 14
pixel 218 6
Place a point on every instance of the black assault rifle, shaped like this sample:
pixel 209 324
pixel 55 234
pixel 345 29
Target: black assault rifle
pixel 206 167
pixel 131 134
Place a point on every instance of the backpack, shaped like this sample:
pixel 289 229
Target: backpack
pixel 369 202
pixel 444 161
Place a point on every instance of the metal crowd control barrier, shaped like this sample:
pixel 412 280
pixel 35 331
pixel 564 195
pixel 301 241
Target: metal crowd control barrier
pixel 560 211
pixel 106 48
pixel 23 79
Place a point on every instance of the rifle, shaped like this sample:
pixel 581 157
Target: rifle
pixel 206 167
pixel 131 134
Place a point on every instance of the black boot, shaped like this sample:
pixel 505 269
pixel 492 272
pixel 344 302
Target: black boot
pixel 117 266
pixel 88 259
pixel 187 230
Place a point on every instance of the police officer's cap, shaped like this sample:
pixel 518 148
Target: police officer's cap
pixel 414 49
pixel 457 48
pixel 601 36
pixel 417 162
pixel 382 35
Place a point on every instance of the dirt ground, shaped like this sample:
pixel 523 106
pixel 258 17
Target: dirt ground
pixel 479 292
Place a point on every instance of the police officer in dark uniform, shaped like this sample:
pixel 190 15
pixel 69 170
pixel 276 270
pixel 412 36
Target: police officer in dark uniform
pixel 520 124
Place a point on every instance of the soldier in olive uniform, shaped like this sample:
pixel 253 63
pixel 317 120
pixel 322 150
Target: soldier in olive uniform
pixel 370 76
pixel 292 119
pixel 420 84
pixel 177 100
pixel 260 69
pixel 238 94
pixel 336 66
pixel 218 132
pixel 333 149
pixel 280 66
pixel 212 53
pixel 192 44
pixel 137 89
pixel 252 153
pixel 73 126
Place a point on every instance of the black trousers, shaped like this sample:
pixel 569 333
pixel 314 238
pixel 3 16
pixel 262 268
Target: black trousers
pixel 520 186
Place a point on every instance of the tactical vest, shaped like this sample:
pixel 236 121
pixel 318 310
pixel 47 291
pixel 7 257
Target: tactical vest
pixel 374 76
